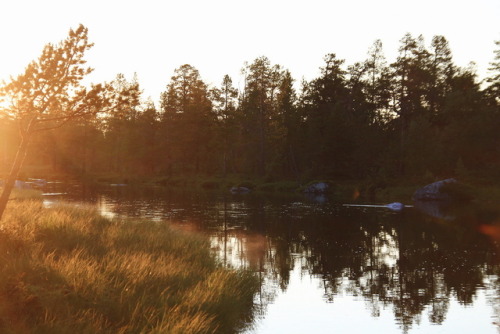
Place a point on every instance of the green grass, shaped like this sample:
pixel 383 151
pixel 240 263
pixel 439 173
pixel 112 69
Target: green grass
pixel 66 269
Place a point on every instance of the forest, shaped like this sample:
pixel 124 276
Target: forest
pixel 421 116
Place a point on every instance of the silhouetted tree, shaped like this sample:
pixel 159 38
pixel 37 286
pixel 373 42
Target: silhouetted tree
pixel 49 94
pixel 120 126
pixel 411 79
pixel 225 104
pixel 441 73
pixel 324 103
pixel 378 82
pixel 493 79
pixel 289 118
pixel 421 114
pixel 188 118
pixel 258 111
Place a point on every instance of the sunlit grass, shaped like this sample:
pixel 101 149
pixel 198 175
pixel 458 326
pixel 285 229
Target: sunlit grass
pixel 66 269
pixel 18 194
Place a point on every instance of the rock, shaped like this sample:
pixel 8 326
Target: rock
pixel 434 191
pixel 239 190
pixel 317 188
pixel 317 198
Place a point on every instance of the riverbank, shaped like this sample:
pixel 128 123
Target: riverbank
pixel 377 190
pixel 66 269
pixel 371 190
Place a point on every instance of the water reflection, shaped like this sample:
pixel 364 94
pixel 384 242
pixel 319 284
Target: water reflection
pixel 423 266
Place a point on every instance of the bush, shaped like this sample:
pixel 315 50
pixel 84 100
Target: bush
pixel 458 191
pixel 210 185
pixel 267 187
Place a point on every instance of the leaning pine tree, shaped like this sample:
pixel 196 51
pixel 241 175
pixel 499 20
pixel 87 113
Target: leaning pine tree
pixel 49 94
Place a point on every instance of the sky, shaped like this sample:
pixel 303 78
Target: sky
pixel 152 38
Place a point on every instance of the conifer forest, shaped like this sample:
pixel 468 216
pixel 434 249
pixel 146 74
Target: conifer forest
pixel 419 115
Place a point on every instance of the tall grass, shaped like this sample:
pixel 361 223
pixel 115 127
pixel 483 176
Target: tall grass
pixel 66 269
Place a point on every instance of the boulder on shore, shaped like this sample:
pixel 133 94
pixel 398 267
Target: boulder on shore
pixel 317 188
pixel 434 191
pixel 239 190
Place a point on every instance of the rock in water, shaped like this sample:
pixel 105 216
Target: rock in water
pixel 434 191
pixel 239 190
pixel 317 188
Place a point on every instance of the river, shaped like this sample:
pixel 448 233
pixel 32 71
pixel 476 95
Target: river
pixel 329 268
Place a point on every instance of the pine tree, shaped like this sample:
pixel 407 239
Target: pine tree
pixel 188 119
pixel 49 94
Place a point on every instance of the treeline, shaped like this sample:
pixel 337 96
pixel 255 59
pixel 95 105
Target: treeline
pixel 420 115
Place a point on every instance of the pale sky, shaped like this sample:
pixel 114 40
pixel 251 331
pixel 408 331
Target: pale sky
pixel 153 37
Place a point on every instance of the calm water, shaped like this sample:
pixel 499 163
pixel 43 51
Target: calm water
pixel 328 268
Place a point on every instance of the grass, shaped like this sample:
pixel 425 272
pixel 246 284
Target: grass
pixel 24 194
pixel 66 269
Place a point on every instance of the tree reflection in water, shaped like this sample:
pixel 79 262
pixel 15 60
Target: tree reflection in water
pixel 415 262
pixel 407 261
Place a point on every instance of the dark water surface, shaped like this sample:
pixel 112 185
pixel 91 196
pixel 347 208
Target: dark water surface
pixel 327 268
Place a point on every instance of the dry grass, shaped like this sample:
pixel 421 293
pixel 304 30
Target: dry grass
pixel 68 270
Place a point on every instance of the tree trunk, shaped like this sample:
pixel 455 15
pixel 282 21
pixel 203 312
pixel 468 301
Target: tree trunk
pixel 14 172
pixel 293 162
pixel 262 142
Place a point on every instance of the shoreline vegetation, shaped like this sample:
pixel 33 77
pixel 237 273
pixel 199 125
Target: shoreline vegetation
pixel 68 269
pixel 368 189
pixel 420 117
pixel 373 130
pixel 378 190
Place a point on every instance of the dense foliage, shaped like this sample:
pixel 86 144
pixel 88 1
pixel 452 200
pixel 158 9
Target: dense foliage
pixel 420 115
pixel 50 94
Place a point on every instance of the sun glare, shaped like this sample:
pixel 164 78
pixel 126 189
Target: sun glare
pixel 220 35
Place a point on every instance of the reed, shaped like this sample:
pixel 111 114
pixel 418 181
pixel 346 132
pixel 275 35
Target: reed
pixel 66 269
